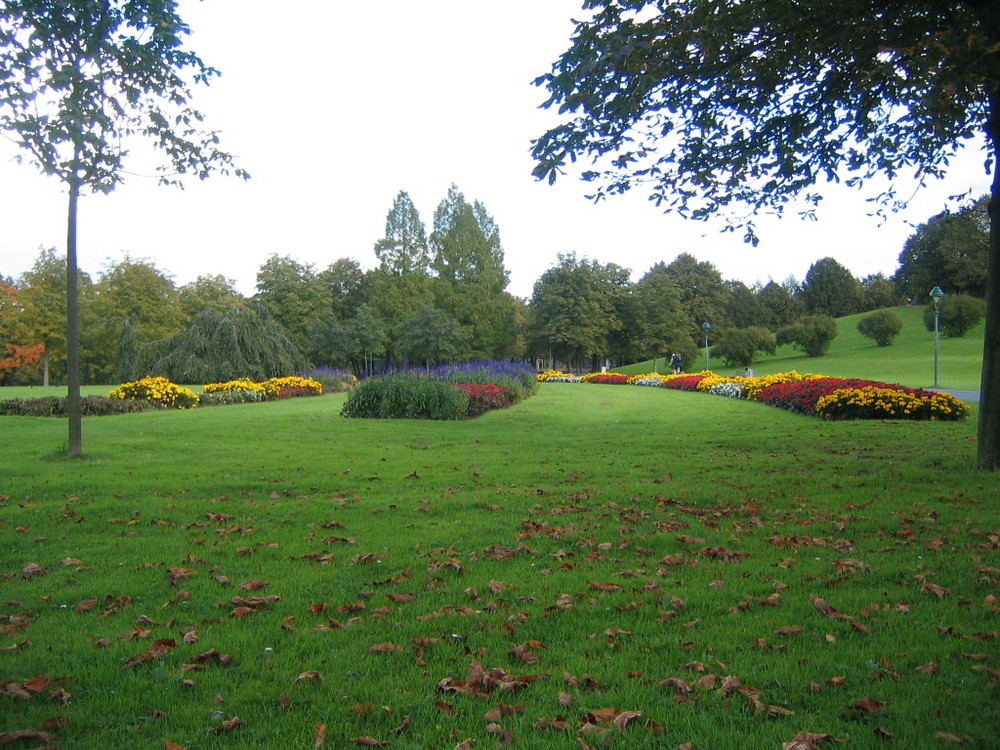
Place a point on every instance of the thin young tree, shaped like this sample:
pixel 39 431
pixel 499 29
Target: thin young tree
pixel 720 105
pixel 80 81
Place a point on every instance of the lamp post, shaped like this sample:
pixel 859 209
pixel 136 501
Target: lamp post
pixel 706 327
pixel 936 295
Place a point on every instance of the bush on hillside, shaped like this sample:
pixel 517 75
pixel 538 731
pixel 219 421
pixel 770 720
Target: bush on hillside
pixel 811 335
pixel 882 326
pixel 960 313
pixel 739 346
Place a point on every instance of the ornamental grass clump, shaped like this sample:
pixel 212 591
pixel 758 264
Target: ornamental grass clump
pixel 405 396
pixel 873 402
pixel 157 391
pixel 519 378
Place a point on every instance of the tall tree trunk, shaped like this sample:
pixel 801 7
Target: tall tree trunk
pixel 989 390
pixel 45 365
pixel 74 446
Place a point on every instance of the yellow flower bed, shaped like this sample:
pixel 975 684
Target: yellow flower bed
pixel 159 390
pixel 879 403
pixel 550 373
pixel 241 384
pixel 294 381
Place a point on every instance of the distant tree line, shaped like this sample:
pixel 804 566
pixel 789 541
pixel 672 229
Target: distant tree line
pixel 442 296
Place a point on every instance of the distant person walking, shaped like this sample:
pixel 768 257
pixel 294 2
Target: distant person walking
pixel 676 363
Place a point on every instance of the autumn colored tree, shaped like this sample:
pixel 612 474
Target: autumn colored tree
pixel 43 300
pixel 718 107
pixel 78 82
pixel 14 353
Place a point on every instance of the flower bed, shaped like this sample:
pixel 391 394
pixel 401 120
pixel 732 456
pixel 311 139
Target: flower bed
pixel 607 378
pixel 157 391
pixel 818 395
pixel 484 397
pixel 872 402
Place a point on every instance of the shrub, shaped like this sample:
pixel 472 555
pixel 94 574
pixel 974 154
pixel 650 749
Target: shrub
pixel 405 396
pixel 55 406
pixel 159 391
pixel 811 335
pixel 739 346
pixel 960 313
pixel 882 326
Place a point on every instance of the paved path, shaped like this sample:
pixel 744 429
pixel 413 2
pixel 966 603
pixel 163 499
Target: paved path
pixel 961 395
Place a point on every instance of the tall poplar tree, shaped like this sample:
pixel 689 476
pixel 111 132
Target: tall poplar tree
pixel 78 81
pixel 714 105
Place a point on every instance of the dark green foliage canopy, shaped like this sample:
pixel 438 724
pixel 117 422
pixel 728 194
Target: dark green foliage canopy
pixel 830 289
pixel 739 346
pixel 218 347
pixel 431 335
pixel 949 251
pixel 811 334
pixel 960 313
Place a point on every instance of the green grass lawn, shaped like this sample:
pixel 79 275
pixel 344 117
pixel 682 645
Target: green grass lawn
pixel 734 574
pixel 908 361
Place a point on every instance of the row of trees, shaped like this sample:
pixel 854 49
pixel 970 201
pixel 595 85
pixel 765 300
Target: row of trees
pixel 441 295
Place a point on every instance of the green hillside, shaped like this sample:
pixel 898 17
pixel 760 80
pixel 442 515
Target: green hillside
pixel 908 361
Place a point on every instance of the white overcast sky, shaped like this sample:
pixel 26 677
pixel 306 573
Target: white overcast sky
pixel 334 107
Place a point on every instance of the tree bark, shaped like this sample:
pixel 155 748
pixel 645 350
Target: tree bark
pixel 989 389
pixel 74 445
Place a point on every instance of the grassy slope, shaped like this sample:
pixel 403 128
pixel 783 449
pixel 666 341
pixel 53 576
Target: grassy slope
pixel 611 496
pixel 908 361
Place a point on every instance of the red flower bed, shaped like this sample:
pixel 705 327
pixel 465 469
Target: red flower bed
pixel 687 383
pixel 609 379
pixel 801 395
pixel 486 396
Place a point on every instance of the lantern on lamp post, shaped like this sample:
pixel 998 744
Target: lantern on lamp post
pixel 936 295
